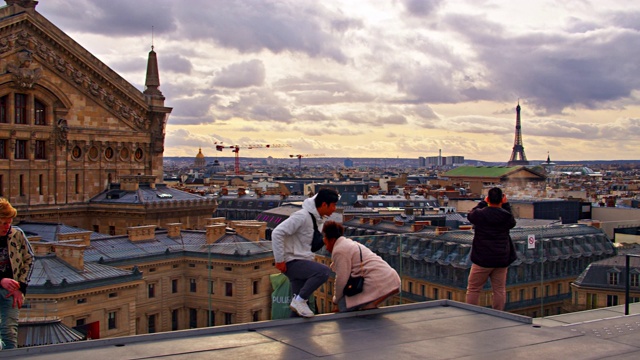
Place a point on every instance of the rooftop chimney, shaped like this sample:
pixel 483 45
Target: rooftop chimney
pixel 173 230
pixel 141 233
pixel 249 231
pixel 82 238
pixel 215 232
pixel 71 254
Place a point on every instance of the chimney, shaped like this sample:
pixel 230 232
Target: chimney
pixel 249 231
pixel 408 210
pixel 216 220
pixel 375 221
pixel 262 226
pixel 465 227
pixel 215 232
pixel 82 238
pixel 173 230
pixel 441 230
pixel 241 192
pixel 41 248
pixel 71 254
pixel 141 233
pixel 416 227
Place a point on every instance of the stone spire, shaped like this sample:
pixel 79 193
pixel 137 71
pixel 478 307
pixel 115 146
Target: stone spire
pixel 153 77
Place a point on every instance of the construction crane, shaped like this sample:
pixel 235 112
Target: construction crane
pixel 236 149
pixel 300 156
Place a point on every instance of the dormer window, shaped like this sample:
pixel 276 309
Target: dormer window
pixel 614 276
pixel 634 278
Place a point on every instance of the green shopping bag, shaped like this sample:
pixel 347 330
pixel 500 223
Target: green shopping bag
pixel 281 297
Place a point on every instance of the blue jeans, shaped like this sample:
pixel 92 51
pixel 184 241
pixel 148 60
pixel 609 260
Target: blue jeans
pixel 8 320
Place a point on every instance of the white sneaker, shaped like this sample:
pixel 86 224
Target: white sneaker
pixel 301 307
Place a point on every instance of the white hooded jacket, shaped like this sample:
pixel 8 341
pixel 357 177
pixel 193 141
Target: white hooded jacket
pixel 291 240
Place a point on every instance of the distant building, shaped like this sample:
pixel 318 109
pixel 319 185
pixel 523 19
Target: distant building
pixel 348 163
pixel 454 160
pixel 434 263
pixel 440 160
pixel 478 177
pixel 200 161
pixel 603 283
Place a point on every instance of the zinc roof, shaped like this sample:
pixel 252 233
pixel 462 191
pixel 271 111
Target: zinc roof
pixel 50 270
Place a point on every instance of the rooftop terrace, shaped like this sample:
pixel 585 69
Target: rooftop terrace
pixel 440 329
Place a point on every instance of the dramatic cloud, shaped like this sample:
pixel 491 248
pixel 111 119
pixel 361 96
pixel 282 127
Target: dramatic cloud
pixel 244 74
pixel 371 78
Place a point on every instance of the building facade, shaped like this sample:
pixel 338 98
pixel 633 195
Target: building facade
pixel 435 264
pixel 69 125
pixel 150 281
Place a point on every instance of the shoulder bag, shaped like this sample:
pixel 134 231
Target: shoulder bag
pixel 355 284
pixel 318 240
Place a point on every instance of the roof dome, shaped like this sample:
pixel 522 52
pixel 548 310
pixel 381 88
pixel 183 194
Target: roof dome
pixel 200 156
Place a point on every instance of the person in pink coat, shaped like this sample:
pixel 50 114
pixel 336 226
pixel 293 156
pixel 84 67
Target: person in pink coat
pixel 380 280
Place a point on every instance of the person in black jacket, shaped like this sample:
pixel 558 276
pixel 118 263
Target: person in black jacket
pixel 492 250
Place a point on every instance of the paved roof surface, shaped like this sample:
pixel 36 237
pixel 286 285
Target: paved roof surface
pixel 439 329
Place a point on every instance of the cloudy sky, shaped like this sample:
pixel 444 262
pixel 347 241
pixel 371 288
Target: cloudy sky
pixel 380 78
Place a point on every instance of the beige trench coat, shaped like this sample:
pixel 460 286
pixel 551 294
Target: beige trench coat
pixel 379 278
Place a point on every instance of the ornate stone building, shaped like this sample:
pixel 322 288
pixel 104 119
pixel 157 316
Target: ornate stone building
pixel 70 126
pixel 150 281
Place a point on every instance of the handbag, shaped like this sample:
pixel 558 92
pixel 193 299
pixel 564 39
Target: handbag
pixel 318 239
pixel 355 284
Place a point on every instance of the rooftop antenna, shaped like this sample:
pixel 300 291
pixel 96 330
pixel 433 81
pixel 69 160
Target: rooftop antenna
pixel 152 42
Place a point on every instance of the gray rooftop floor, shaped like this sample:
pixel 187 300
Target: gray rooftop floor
pixel 432 330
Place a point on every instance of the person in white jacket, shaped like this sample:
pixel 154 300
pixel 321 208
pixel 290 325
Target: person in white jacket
pixel 291 242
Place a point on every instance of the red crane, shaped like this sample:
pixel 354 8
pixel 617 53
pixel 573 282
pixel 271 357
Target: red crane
pixel 300 156
pixel 236 150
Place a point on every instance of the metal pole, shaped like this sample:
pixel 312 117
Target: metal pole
pixel 627 286
pixel 210 287
pixel 542 293
pixel 400 254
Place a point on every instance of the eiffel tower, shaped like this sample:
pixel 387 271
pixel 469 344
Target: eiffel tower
pixel 517 155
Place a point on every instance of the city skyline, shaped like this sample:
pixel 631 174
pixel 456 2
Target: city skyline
pixel 400 78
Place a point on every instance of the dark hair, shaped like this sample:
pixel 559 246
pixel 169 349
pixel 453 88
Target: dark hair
pixel 332 229
pixel 326 195
pixel 495 196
